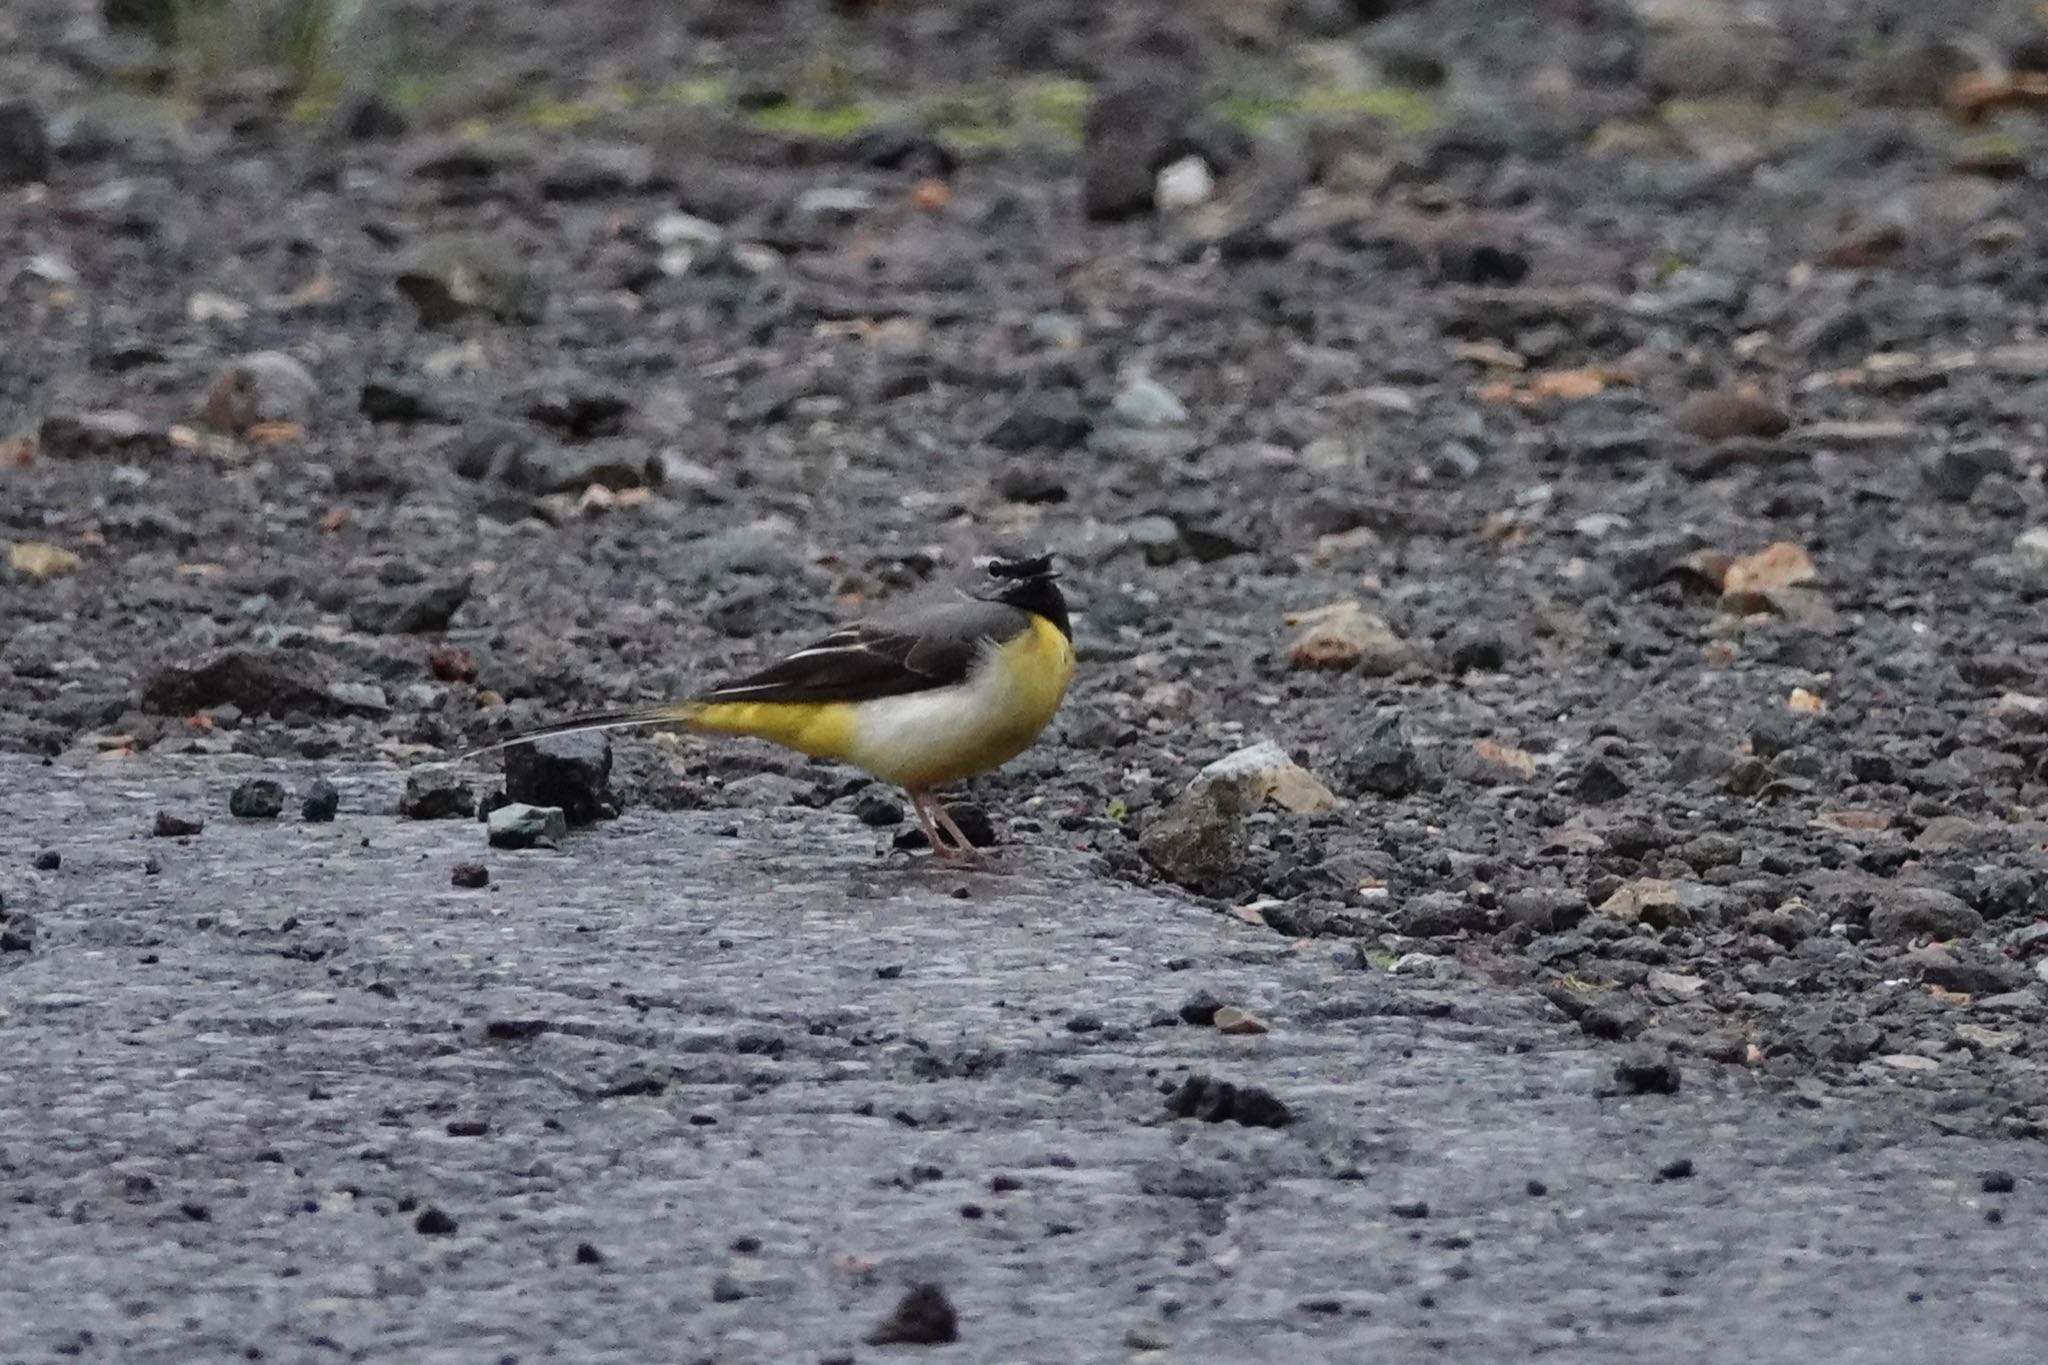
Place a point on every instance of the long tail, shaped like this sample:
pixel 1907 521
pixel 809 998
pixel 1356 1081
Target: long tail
pixel 663 713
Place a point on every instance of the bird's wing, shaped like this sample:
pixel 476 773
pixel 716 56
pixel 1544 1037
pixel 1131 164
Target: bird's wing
pixel 935 647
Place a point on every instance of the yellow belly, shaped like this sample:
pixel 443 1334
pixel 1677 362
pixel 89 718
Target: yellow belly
pixel 930 738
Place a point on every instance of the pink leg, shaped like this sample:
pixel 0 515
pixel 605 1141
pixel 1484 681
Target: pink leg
pixel 924 821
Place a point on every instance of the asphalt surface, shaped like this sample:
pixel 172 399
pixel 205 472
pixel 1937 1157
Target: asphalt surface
pixel 721 1085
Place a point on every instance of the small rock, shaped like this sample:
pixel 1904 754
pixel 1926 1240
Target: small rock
pixel 1997 1182
pixel 764 791
pixel 40 560
pixel 470 876
pixel 170 826
pixel 1145 404
pixel 410 609
pixel 1410 1208
pixel 24 144
pixel 1200 837
pixel 878 811
pixel 2030 551
pixel 1200 1009
pixel 1909 912
pixel 369 117
pixel 321 803
pixel 1647 1073
pixel 587 1254
pixel 265 387
pixel 1231 1019
pixel 1728 414
pixel 17 932
pixel 1043 419
pixel 448 279
pixel 1214 1101
pixel 260 682
pixel 922 1317
pixel 1183 184
pixel 570 771
pixel 1032 484
pixel 1345 635
pixel 2022 713
pixel 436 794
pixel 111 435
pixel 1264 772
pixel 1384 763
pixel 1599 783
pixel 1489 763
pixel 1155 537
pixel 1653 901
pixel 1679 1169
pixel 48 860
pixel 578 406
pixel 1129 135
pixel 259 798
pixel 1954 473
pixel 519 825
pixel 432 1222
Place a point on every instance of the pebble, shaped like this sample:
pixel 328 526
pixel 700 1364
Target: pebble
pixel 572 772
pixel 1032 484
pixel 1043 419
pixel 436 794
pixel 1997 1182
pixel 1645 1072
pixel 1263 772
pixel 519 825
pixel 1217 1101
pixel 1383 763
pixel 2030 550
pixel 449 278
pixel 111 435
pixel 1200 1009
pixel 24 144
pixel 1144 404
pixel 878 811
pixel 259 388
pixel 1344 635
pixel 470 876
pixel 412 608
pixel 924 1316
pixel 259 798
pixel 321 803
pixel 171 826
pixel 1183 184
pixel 432 1222
pixel 261 682
pixel 1129 131
pixel 1679 1169
pixel 1727 414
pixel 49 860
pixel 1231 1019
pixel 1909 912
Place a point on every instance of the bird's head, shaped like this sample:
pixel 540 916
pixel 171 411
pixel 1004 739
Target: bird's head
pixel 1029 583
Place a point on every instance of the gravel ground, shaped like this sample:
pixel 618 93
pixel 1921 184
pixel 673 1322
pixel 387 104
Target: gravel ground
pixel 727 1081
pixel 1601 444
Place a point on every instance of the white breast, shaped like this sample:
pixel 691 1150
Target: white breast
pixel 945 734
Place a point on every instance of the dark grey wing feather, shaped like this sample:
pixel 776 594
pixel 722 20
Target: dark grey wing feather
pixel 887 657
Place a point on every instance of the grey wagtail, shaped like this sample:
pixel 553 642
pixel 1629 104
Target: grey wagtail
pixel 929 696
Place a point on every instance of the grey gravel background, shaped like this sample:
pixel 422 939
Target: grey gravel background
pixel 233 1088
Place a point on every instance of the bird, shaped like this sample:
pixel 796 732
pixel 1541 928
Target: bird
pixel 929 695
